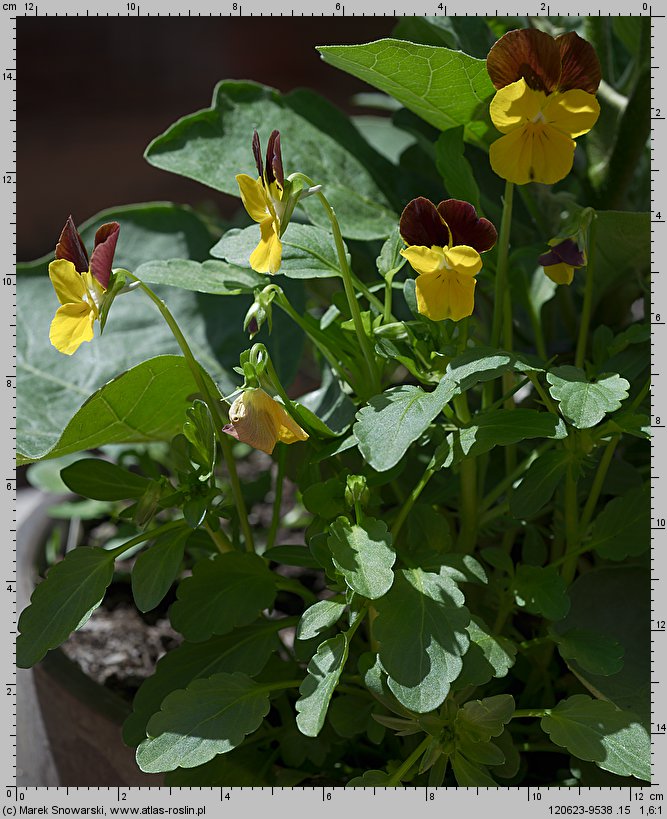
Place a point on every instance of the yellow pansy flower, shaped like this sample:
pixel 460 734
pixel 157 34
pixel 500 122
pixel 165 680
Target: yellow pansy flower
pixel 268 203
pixel 562 260
pixel 260 421
pixel 80 285
pixel 545 99
pixel 444 246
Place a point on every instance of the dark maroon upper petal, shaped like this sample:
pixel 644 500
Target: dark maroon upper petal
pixel 580 67
pixel 273 159
pixel 105 247
pixel 422 225
pixel 548 259
pixel 71 247
pixel 466 227
pixel 528 53
pixel 566 251
pixel 257 152
pixel 278 162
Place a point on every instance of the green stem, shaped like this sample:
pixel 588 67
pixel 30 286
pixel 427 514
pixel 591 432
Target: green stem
pixel 281 686
pixel 364 341
pixel 317 339
pixel 544 395
pixel 410 501
pixel 588 297
pixel 415 756
pixel 278 497
pixel 531 712
pixel 502 305
pixel 468 528
pixel 148 535
pixel 501 487
pixel 222 542
pixel 571 526
pixel 213 405
pixel 289 584
pixel 370 297
pixel 598 482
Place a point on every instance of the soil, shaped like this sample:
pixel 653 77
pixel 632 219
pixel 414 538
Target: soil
pixel 118 648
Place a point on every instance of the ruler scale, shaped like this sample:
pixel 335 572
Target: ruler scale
pixel 640 801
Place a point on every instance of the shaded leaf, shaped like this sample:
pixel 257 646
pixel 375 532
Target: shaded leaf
pixel 615 602
pixel 63 602
pixel 541 591
pixel 103 480
pixel 488 656
pixel 421 626
pixel 246 650
pixel 539 484
pixel 363 554
pixel 209 717
pixel 156 568
pixel 622 529
pixel 213 145
pixel 594 652
pixel 599 732
pixel 324 671
pixel 228 591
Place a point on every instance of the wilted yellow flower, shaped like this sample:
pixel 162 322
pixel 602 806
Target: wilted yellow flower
pixel 260 421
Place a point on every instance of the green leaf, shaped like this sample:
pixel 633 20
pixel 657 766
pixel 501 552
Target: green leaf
pixel 245 649
pixel 209 717
pixel 484 364
pixel 622 244
pixel 152 230
pixel 496 428
pixel 62 603
pixel 615 603
pixel 541 591
pixel 390 261
pixel 324 671
pixel 349 715
pixel 146 403
pixel 211 276
pixel 297 555
pixel 539 484
pixel 318 618
pixel 213 145
pixel 480 720
pixel 241 768
pixel 599 732
pixel 470 34
pixel 228 591
pixel 363 554
pixel 103 480
pixel 594 652
pixel 622 529
pixel 390 422
pixel 370 779
pixel 454 167
pixel 488 656
pixel 329 403
pixel 445 88
pixel 308 252
pixel 199 429
pixel 421 626
pixel 582 402
pixel 156 568
pixel 470 775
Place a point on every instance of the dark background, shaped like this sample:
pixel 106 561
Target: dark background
pixel 93 92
